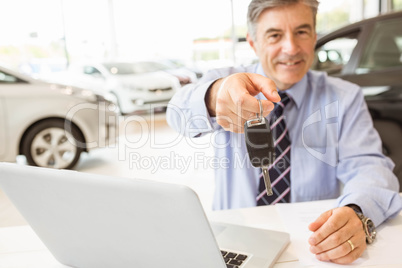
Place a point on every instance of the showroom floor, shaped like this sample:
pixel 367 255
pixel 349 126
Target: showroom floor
pixel 146 150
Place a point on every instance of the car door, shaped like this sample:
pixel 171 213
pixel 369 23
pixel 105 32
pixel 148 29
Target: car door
pixel 5 79
pixel 370 55
pixel 380 61
pixel 336 53
pixel 2 125
pixel 9 122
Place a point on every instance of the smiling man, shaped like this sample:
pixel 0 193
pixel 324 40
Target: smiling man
pixel 284 42
pixel 323 132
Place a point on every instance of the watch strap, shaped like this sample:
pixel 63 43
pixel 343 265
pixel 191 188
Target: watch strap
pixel 368 225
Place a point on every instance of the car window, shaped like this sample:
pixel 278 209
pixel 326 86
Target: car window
pixel 384 49
pixel 90 70
pixel 6 78
pixel 335 54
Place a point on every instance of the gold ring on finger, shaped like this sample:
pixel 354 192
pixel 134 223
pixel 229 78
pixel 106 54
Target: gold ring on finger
pixel 352 247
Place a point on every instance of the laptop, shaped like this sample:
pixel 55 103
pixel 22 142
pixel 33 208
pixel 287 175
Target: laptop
pixel 95 221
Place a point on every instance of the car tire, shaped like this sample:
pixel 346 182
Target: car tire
pixel 53 144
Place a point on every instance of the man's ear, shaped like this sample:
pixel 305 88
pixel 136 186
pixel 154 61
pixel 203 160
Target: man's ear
pixel 251 42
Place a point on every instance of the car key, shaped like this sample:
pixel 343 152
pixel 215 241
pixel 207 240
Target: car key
pixel 260 145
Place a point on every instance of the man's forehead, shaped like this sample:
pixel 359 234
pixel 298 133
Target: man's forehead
pixel 296 15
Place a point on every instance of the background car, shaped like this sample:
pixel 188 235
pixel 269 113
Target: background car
pixel 369 53
pixel 184 75
pixel 51 124
pixel 134 87
pixel 182 64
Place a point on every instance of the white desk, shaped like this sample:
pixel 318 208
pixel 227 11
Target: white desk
pixel 21 248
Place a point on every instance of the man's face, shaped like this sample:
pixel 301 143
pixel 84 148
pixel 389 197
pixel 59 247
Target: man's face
pixel 284 44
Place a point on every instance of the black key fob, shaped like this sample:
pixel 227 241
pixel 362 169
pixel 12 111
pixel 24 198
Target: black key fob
pixel 259 142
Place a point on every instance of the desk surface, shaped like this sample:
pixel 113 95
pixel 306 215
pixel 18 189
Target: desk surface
pixel 21 248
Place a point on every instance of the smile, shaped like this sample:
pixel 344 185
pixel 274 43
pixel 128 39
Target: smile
pixel 290 63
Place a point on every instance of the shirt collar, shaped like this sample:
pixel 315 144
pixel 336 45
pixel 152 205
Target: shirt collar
pixel 296 92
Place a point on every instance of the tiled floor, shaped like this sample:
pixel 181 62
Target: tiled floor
pixel 150 150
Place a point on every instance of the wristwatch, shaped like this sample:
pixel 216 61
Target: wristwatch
pixel 368 225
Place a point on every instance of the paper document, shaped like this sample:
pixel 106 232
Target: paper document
pixel 297 216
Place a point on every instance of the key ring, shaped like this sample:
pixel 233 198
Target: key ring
pixel 260 115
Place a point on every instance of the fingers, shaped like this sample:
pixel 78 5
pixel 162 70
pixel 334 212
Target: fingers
pixel 343 253
pixel 330 223
pixel 236 97
pixel 264 85
pixel 320 221
pixel 332 230
pixel 236 116
pixel 235 102
pixel 231 122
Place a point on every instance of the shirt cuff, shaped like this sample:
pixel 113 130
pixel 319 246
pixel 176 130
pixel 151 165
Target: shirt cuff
pixel 201 122
pixel 378 210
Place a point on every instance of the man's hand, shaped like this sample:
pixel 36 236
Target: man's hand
pixel 332 230
pixel 232 100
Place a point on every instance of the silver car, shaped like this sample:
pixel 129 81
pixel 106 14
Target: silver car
pixel 134 87
pixel 51 124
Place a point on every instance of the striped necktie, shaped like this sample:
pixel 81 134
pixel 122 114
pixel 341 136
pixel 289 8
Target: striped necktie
pixel 279 171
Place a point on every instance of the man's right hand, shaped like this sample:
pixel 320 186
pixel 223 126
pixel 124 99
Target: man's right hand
pixel 231 100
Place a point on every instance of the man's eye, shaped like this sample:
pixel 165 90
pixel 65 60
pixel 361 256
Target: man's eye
pixel 274 36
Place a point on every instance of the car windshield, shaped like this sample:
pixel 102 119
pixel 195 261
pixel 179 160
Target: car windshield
pixel 134 68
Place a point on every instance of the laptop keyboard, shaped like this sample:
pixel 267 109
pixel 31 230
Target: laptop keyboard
pixel 232 259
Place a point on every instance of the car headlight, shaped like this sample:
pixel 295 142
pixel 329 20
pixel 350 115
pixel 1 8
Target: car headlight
pixel 109 102
pixel 88 95
pixel 75 92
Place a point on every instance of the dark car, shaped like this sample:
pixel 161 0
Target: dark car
pixel 369 53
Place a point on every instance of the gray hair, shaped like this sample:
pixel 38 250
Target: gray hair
pixel 256 7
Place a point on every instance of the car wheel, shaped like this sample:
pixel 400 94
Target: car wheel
pixel 49 144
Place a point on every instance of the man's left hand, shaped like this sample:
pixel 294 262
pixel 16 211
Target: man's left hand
pixel 332 231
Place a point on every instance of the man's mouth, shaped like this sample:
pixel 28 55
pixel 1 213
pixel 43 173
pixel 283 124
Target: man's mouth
pixel 290 63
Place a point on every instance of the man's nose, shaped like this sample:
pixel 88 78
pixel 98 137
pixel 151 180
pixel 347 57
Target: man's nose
pixel 290 45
